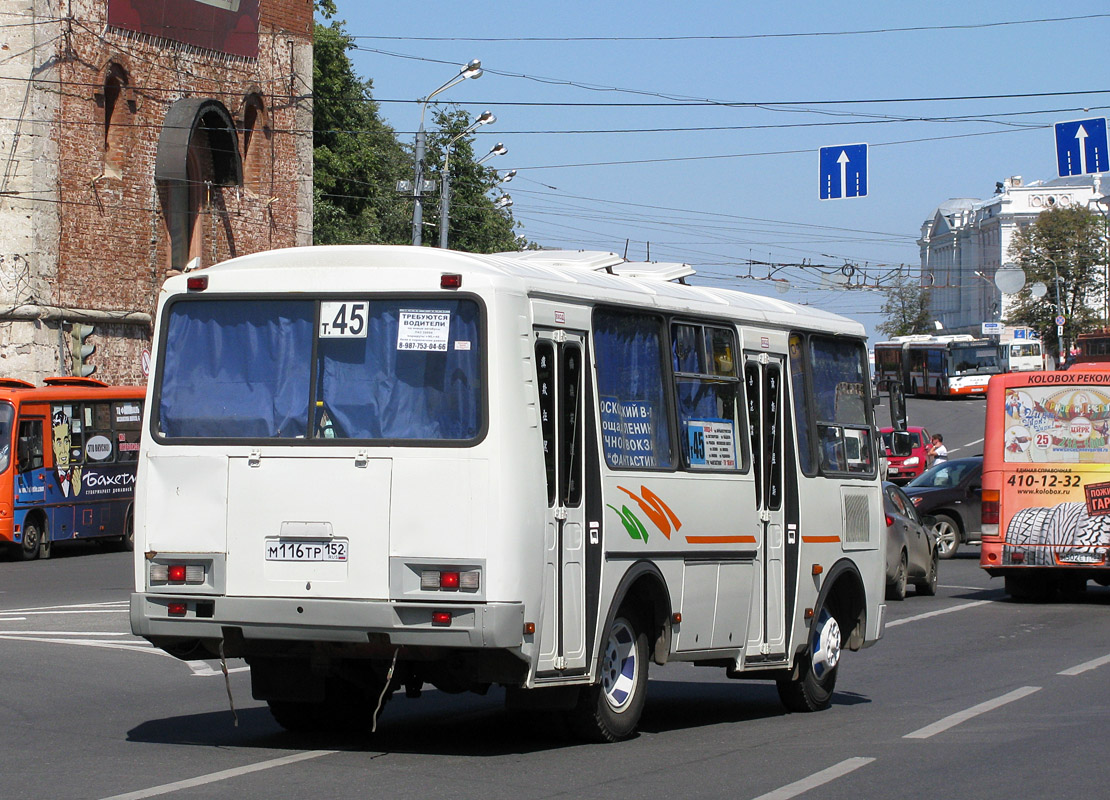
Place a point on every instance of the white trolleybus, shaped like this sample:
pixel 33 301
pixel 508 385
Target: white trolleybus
pixel 369 468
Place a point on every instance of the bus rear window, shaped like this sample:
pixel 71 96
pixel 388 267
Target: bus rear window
pixel 1058 425
pixel 346 369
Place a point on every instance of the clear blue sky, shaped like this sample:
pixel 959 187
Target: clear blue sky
pixel 719 186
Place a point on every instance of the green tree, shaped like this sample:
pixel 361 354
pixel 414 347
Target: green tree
pixel 357 159
pixel 1066 243
pixel 906 308
pixel 476 225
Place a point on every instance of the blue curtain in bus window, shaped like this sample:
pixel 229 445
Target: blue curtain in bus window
pixel 237 369
pixel 838 382
pixel 394 385
pixel 630 386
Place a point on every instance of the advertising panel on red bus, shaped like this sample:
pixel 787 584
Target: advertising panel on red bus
pixel 1046 480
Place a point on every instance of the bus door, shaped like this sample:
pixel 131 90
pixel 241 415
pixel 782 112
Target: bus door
pixel 34 480
pixel 763 378
pixel 560 357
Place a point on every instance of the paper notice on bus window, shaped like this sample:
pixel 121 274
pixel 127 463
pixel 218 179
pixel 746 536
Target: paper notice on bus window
pixel 423 330
pixel 711 444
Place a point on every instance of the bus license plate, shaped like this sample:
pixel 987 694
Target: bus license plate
pixel 303 550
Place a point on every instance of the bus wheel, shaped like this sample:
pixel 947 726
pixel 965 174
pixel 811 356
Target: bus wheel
pixel 127 541
pixel 813 689
pixel 1028 588
pixel 609 711
pixel 896 589
pixel 346 708
pixel 948 535
pixel 32 542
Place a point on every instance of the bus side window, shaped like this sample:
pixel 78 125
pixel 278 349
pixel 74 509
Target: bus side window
pixel 30 444
pixel 127 425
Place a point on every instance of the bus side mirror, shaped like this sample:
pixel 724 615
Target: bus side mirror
pixel 897 406
pixel 901 443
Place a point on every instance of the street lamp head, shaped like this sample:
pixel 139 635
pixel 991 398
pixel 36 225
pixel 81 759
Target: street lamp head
pixel 473 69
pixel 503 202
pixel 486 118
pixel 509 176
pixel 497 150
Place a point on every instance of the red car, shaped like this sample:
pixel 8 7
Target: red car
pixel 903 469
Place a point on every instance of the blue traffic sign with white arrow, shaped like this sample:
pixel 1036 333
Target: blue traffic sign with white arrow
pixel 843 171
pixel 1081 147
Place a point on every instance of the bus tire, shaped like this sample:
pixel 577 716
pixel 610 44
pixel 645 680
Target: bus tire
pixel 1028 588
pixel 896 589
pixel 610 710
pixel 346 708
pixel 32 541
pixel 948 535
pixel 126 542
pixel 812 690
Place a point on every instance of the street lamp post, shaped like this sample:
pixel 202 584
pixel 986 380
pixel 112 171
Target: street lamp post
pixel 486 118
pixel 1104 204
pixel 470 70
pixel 1059 314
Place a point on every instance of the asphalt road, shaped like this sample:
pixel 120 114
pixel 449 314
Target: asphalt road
pixel 968 695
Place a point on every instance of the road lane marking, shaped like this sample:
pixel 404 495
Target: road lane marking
pixel 1086 666
pixel 966 444
pixel 812 782
pixel 222 775
pixel 64 633
pixel 926 615
pixel 202 669
pixel 106 604
pixel 953 720
pixel 137 646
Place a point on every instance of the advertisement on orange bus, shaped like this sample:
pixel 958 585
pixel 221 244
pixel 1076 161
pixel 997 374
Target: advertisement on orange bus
pixel 1046 471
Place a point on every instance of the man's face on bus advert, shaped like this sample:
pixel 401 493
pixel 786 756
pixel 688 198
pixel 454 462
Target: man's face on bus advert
pixel 62 441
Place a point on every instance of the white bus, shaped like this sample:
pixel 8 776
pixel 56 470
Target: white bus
pixel 370 468
pixel 1023 355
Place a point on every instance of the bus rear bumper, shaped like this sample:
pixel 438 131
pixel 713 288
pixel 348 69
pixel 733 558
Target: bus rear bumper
pixel 304 620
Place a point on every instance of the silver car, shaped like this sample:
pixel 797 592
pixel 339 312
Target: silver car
pixel 911 546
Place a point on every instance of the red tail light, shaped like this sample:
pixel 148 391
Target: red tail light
pixel 196 283
pixel 441 617
pixel 889 520
pixel 176 609
pixel 990 507
pixel 177 573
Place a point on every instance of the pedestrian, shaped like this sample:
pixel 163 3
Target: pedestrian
pixel 937 452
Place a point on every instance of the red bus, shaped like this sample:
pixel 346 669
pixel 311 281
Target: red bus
pixel 68 457
pixel 1094 347
pixel 1046 481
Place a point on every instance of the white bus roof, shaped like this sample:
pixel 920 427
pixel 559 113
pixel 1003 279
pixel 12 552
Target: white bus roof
pixel 584 275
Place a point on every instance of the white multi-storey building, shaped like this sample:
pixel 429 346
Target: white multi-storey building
pixel 964 242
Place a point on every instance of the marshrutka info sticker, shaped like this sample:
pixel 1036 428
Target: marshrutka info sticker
pixel 423 330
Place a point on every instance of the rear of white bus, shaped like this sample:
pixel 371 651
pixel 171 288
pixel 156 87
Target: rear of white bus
pixel 320 490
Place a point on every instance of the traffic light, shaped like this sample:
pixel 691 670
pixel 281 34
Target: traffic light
pixel 81 350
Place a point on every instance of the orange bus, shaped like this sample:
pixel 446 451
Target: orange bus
pixel 1046 481
pixel 68 456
